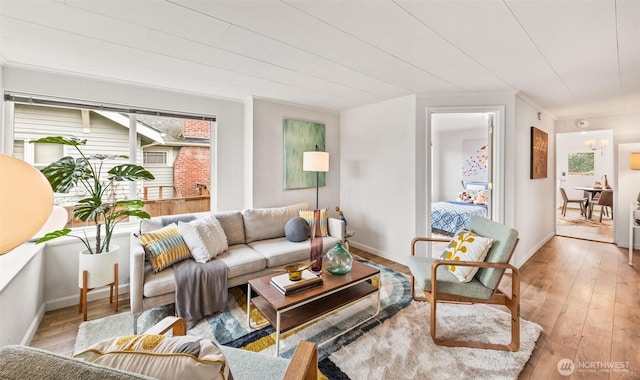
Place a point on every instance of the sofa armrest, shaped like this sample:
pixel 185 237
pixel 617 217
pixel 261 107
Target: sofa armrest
pixel 136 274
pixel 337 228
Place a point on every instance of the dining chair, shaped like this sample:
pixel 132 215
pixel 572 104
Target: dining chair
pixel 605 201
pixel 566 201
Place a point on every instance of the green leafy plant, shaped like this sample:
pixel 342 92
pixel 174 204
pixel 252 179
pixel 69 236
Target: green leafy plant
pixel 86 171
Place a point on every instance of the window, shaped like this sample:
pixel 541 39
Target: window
pixel 581 164
pixel 44 154
pixel 177 150
pixel 151 157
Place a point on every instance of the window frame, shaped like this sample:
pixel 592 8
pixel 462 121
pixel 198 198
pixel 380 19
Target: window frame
pixel 8 138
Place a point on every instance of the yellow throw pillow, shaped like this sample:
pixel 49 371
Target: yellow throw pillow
pixel 324 216
pixel 160 356
pixel 164 247
pixel 466 246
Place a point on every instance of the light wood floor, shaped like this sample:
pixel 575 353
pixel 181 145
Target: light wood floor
pixel 583 294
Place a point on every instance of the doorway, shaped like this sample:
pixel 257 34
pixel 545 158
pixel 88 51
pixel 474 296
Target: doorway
pixel 584 164
pixel 465 146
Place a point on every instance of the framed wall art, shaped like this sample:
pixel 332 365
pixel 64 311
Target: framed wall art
pixel 539 151
pixel 299 137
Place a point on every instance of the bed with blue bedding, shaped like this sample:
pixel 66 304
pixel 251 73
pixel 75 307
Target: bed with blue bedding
pixel 449 217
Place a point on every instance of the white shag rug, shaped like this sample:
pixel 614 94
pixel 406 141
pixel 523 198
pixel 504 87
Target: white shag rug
pixel 402 347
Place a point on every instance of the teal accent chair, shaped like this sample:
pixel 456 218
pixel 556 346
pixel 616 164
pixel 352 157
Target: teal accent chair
pixel 439 285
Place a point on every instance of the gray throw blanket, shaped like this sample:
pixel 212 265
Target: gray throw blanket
pixel 201 289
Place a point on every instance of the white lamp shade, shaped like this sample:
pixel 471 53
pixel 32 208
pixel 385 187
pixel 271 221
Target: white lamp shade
pixel 315 161
pixel 25 202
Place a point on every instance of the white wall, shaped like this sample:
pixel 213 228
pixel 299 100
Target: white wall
pixel 448 148
pixel 267 154
pixel 21 297
pixel 534 206
pixel 378 183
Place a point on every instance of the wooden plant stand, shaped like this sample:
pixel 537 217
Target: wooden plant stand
pixel 113 292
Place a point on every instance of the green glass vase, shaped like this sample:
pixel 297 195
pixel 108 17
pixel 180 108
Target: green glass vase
pixel 338 260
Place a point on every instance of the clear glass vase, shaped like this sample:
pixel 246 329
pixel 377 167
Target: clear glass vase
pixel 338 260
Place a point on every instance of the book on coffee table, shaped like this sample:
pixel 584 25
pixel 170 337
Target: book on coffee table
pixel 286 286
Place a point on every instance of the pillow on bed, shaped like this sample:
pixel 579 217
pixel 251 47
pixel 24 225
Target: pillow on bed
pixel 466 246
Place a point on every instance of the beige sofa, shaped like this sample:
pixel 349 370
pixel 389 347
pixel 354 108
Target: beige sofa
pixel 257 245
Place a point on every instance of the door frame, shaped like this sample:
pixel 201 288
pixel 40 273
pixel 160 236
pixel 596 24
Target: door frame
pixel 497 162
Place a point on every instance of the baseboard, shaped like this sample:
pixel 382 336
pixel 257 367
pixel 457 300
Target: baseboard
pixel 33 327
pixel 375 251
pixel 73 300
pixel 520 262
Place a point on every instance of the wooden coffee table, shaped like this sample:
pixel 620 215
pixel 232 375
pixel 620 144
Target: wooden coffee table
pixel 336 292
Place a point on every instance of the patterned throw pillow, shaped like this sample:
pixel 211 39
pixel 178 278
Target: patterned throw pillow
pixel 160 356
pixel 466 246
pixel 204 237
pixel 308 216
pixel 164 247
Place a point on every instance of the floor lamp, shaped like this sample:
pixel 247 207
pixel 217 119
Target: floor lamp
pixel 315 161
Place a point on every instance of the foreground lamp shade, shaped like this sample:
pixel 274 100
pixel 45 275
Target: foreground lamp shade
pixel 634 161
pixel 26 200
pixel 315 161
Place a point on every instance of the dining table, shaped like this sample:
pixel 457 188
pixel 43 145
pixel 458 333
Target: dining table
pixel 592 193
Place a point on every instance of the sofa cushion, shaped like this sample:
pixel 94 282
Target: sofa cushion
pixel 205 238
pixel 233 226
pixel 296 229
pixel 280 251
pixel 241 259
pixel 268 223
pixel 165 247
pixel 157 284
pixel 160 356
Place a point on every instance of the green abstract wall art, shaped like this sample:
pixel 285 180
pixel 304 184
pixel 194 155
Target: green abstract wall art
pixel 299 137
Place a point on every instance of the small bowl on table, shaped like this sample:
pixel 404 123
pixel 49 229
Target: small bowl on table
pixel 295 270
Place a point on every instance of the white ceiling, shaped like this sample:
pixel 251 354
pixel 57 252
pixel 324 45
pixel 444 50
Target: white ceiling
pixel 574 58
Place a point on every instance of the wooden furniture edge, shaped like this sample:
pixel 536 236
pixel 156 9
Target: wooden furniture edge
pixel 176 324
pixel 304 362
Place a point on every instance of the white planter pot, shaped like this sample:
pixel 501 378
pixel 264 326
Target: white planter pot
pixel 99 267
